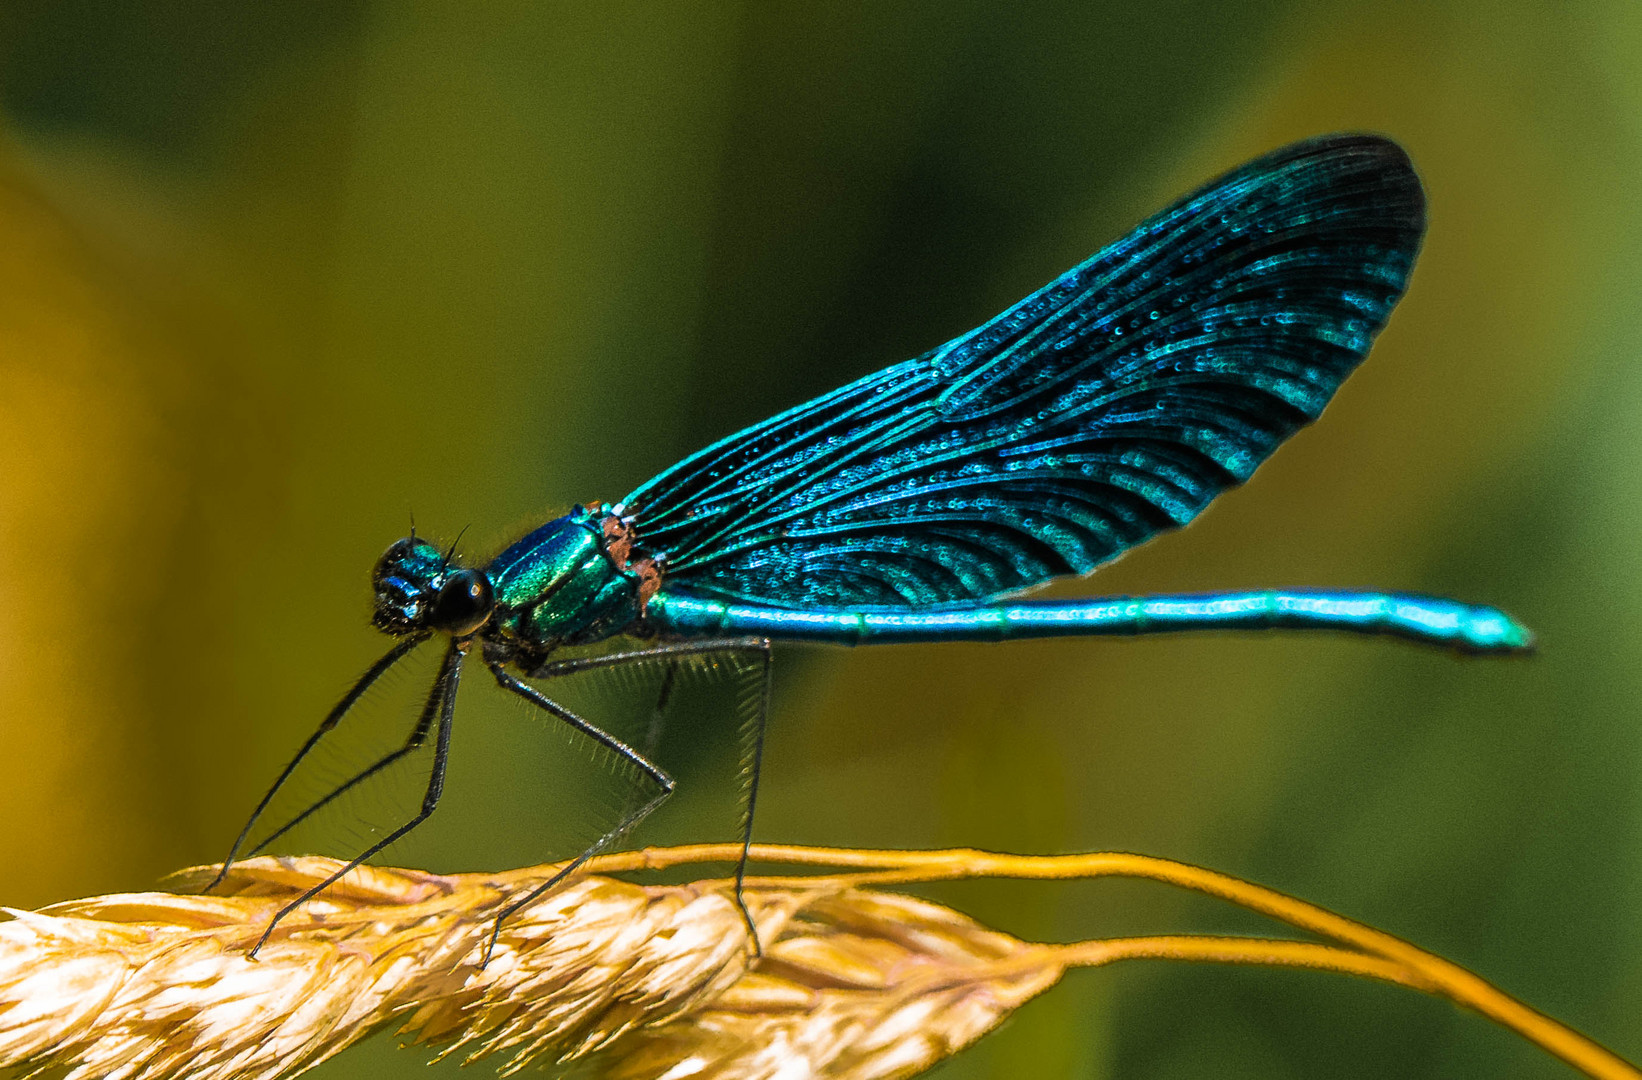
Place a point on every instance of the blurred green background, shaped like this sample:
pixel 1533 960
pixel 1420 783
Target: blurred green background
pixel 273 276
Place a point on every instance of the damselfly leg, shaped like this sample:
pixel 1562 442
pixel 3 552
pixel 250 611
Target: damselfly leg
pixel 332 718
pixel 664 783
pixel 440 706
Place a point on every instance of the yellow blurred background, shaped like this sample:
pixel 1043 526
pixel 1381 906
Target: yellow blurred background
pixel 272 278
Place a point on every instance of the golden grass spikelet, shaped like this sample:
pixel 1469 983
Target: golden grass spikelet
pixel 154 985
pixel 641 982
pixel 861 985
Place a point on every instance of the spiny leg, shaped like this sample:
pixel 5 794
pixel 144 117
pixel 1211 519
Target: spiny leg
pixel 332 718
pixel 413 742
pixel 664 787
pixel 441 702
pixel 754 764
pixel 676 651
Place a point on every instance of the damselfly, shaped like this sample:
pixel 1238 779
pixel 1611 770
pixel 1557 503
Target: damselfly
pixel 911 505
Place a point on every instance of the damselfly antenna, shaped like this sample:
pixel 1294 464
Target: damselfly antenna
pixel 452 552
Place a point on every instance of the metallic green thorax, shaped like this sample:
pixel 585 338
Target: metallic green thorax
pixel 566 583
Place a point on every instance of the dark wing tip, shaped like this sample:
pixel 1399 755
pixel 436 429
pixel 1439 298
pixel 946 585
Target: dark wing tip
pixel 1376 158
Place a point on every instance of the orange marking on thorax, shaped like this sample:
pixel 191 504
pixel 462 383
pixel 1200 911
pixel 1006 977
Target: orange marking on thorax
pixel 618 545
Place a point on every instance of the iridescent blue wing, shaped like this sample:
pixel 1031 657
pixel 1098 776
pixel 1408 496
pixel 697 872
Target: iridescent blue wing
pixel 1110 405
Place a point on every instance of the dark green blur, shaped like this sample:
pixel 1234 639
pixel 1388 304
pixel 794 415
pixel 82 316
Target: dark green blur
pixel 270 282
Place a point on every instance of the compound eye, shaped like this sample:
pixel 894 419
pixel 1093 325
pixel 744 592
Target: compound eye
pixel 465 602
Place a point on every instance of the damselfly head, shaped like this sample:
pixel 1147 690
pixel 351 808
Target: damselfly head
pixel 406 584
pixel 417 589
